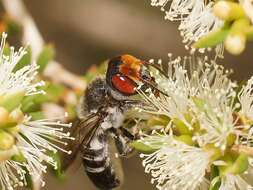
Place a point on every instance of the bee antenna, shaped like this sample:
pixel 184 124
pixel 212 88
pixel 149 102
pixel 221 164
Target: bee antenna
pixel 157 67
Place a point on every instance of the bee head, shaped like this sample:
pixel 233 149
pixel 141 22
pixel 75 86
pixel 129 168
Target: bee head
pixel 125 72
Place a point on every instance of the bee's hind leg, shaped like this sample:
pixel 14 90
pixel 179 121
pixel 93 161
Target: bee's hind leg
pixel 122 141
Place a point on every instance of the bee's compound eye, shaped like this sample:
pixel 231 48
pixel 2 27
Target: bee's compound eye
pixel 123 84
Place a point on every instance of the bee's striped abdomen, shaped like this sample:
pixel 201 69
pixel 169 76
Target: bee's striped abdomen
pixel 97 162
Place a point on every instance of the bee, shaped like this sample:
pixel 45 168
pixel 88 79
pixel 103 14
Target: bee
pixel 101 114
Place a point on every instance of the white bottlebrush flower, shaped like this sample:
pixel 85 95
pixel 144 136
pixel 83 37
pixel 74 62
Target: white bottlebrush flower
pixel 20 80
pixel 38 137
pixel 12 174
pixel 196 18
pixel 176 165
pixel 245 97
pixel 232 182
pixel 33 139
pixel 248 8
pixel 200 89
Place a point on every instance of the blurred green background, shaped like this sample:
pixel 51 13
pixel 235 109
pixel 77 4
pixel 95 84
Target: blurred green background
pixel 88 32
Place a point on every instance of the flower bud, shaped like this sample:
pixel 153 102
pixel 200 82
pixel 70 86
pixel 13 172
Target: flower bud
pixel 228 11
pixel 187 139
pixel 235 44
pixel 6 140
pixel 16 115
pixel 4 114
pixel 13 130
pixel 181 128
pixel 213 152
pixel 7 154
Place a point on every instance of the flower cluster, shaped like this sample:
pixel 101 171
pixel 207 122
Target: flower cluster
pixel 207 24
pixel 196 19
pixel 205 141
pixel 25 143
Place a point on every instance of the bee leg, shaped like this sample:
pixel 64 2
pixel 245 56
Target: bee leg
pixel 127 133
pixel 122 143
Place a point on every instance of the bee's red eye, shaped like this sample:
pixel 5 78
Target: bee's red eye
pixel 123 84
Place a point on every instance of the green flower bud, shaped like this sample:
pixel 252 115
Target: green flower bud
pixel 213 152
pixel 11 101
pixel 142 147
pixel 4 115
pixel 7 154
pixel 13 130
pixel 16 115
pixel 8 120
pixel 187 139
pixel 6 140
pixel 181 128
pixel 235 42
pixel 228 11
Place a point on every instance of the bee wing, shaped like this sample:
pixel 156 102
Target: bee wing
pixel 83 130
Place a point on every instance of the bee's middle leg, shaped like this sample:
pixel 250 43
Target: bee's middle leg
pixel 122 141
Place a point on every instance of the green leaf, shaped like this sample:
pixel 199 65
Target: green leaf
pixel 240 165
pixel 45 56
pixel 142 147
pixel 214 178
pixel 25 60
pixel 212 39
pixel 37 115
pixel 54 92
pixel 12 100
pixel 58 170
pixel 33 103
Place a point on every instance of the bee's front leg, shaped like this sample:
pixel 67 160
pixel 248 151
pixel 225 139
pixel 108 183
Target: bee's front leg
pixel 122 142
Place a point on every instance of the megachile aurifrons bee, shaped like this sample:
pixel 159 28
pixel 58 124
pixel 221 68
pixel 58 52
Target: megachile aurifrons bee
pixel 101 113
